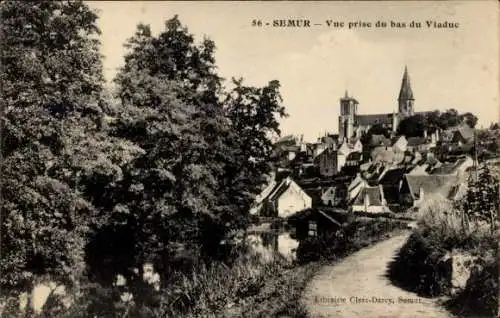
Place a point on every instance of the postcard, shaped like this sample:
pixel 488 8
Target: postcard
pixel 250 159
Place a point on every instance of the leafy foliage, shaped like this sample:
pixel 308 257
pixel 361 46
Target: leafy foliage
pixel 99 187
pixel 203 154
pixel 482 200
pixel 414 126
pixel 51 80
pixel 376 129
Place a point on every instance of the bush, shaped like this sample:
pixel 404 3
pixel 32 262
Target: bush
pixel 356 235
pixel 480 295
pixel 422 265
pixel 420 268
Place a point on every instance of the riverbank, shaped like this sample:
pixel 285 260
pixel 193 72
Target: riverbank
pixel 253 285
pixel 280 295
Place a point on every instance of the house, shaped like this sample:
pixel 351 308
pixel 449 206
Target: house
pixel 399 144
pixel 306 169
pixel 462 135
pixel 382 154
pixel 289 140
pixel 327 162
pixel 316 222
pixel 416 188
pixel 328 195
pixel 314 192
pixel 356 145
pixel 458 167
pixel 285 199
pixel 418 144
pixel 354 159
pixel 258 204
pixel 352 163
pixel 329 140
pixel 310 149
pixel 370 200
pixel 355 187
pixel 319 148
pixel 391 182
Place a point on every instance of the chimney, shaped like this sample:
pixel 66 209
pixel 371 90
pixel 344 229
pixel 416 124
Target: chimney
pixel 382 197
pixel 421 194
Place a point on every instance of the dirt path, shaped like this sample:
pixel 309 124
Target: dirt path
pixel 357 287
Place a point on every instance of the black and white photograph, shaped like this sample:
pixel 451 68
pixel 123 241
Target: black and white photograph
pixel 258 159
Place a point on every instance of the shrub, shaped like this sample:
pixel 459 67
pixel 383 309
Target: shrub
pixel 480 295
pixel 419 267
pixel 422 264
pixel 354 236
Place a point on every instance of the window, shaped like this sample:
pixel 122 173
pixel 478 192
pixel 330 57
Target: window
pixel 313 229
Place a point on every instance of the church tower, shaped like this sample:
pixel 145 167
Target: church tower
pixel 406 99
pixel 348 110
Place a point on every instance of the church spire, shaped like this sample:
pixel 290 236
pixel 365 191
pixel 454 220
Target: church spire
pixel 406 99
pixel 406 92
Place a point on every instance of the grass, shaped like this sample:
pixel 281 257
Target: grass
pixel 357 234
pixel 250 287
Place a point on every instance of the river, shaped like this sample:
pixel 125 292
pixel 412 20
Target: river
pixel 270 243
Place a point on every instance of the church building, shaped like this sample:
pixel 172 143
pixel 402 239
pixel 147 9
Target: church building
pixel 353 126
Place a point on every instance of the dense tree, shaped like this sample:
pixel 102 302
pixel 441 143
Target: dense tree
pixel 377 129
pixel 488 143
pixel 469 119
pixel 169 170
pixel 56 155
pixel 414 126
pixel 253 114
pixel 202 163
pixel 482 198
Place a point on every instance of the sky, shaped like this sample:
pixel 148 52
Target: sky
pixel 449 67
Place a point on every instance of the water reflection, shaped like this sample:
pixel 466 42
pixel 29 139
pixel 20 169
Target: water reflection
pixel 270 244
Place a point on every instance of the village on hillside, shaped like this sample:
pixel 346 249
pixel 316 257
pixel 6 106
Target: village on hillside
pixel 361 170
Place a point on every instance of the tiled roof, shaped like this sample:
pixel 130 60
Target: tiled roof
pixel 373 119
pixel 390 183
pixel 290 148
pixel 374 195
pixel 354 156
pixel 395 139
pixel 392 176
pixel 358 180
pixel 365 166
pixel 431 184
pixel 286 139
pixel 379 140
pixel 466 132
pixel 445 168
pixel 416 141
pixel 328 140
pixel 279 190
pixel 382 154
